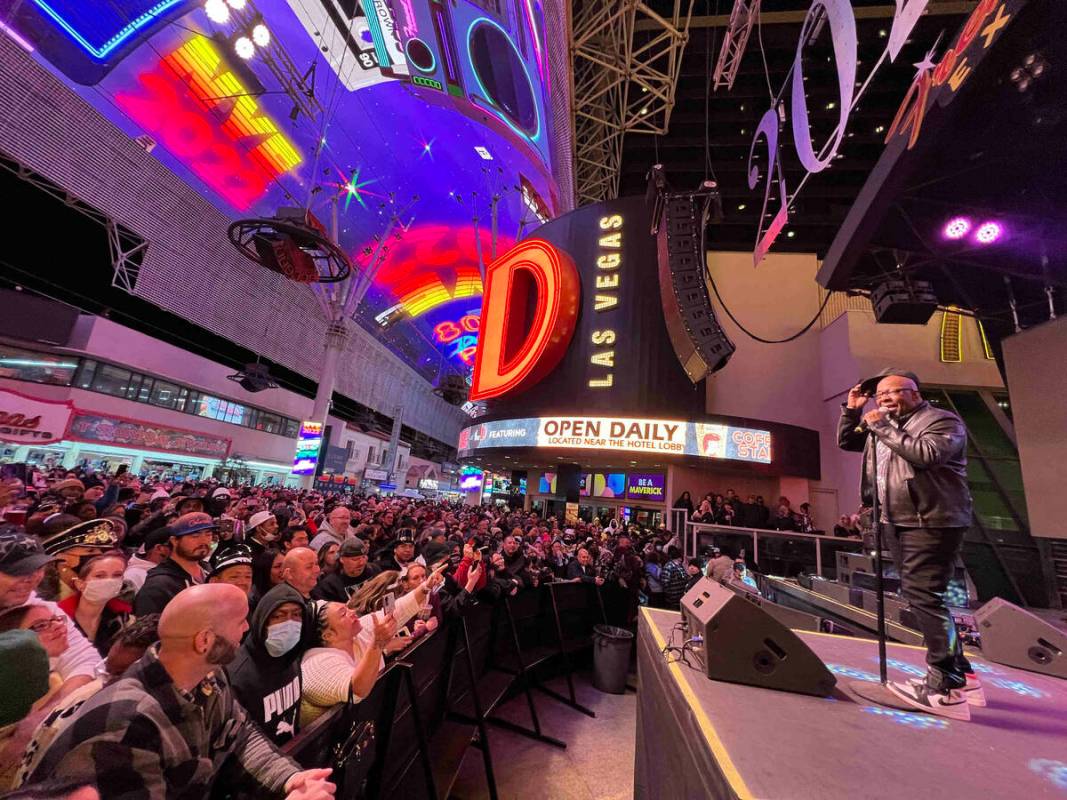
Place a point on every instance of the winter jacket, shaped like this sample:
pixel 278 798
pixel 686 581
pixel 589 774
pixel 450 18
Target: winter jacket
pixel 160 585
pixel 143 737
pixel 674 578
pixel 269 687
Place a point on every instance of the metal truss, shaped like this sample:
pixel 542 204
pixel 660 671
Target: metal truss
pixel 742 18
pixel 622 83
pixel 127 248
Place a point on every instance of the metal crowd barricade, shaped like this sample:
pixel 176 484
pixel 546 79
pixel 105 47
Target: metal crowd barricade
pixel 408 737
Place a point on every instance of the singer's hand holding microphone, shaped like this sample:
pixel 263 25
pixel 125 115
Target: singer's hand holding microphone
pixel 857 398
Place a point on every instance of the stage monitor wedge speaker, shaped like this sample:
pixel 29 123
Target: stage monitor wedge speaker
pixel 1016 638
pixel 698 340
pixel 744 644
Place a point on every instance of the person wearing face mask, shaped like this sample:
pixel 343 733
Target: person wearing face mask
pixel 168 726
pixel 261 531
pixel 265 675
pixel 96 608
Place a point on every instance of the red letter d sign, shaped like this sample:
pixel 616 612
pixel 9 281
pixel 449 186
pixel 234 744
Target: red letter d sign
pixel 529 309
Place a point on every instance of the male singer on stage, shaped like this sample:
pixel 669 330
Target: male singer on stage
pixel 925 510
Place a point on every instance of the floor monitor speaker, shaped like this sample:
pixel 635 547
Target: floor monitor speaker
pixel 745 644
pixel 1017 638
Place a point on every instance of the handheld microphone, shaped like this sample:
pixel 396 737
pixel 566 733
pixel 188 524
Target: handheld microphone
pixel 863 427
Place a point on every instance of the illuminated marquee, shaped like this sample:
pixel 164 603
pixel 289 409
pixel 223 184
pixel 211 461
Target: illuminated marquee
pixel 308 445
pixel 606 299
pixel 658 436
pixel 511 356
pixel 182 102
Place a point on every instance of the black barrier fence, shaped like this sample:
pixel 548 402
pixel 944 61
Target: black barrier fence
pixel 437 698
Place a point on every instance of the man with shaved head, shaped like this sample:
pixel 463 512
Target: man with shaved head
pixel 300 568
pixel 920 481
pixel 166 727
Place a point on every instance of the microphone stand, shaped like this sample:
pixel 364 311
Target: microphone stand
pixel 878 692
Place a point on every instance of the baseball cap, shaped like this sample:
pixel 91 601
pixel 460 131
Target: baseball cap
pixel 870 384
pixel 21 554
pixel 193 522
pixel 222 491
pixel 238 555
pixel 259 518
pixel 353 546
pixel 68 483
pixel 404 536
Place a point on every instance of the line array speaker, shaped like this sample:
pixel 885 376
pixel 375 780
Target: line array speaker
pixel 698 340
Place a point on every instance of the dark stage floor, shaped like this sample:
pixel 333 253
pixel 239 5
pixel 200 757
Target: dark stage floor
pixel 772 744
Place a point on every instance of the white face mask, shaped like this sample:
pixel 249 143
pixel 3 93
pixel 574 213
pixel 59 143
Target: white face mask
pixel 283 637
pixel 100 590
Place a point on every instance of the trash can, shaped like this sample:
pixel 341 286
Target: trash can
pixel 611 658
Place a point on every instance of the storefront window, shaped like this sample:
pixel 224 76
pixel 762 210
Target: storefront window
pixel 164 394
pixel 27 365
pixel 111 380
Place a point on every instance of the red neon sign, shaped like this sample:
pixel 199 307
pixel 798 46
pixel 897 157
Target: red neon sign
pixel 449 331
pixel 511 356
pixel 181 102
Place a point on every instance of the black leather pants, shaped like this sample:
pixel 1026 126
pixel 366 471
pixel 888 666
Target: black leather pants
pixel 925 558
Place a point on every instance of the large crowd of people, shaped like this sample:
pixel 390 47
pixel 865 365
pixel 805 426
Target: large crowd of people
pixel 152 630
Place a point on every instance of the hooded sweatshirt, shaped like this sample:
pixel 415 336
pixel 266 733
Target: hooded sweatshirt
pixel 268 687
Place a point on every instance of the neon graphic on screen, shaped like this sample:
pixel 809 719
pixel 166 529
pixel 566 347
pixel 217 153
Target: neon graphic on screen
pixel 179 101
pixel 434 264
pixel 102 50
pixel 308 445
pixel 488 104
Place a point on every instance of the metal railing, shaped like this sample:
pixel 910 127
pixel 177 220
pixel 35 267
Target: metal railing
pixel 784 553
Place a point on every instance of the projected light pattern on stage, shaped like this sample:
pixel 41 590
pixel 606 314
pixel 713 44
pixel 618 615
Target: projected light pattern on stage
pixel 851 672
pixel 1020 688
pixel 985 669
pixel 923 722
pixel 904 666
pixel 1054 771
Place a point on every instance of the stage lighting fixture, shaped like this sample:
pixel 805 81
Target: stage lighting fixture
pixel 957 228
pixel 217 11
pixel 244 47
pixel 261 35
pixel 988 233
pixel 254 377
pixel 237 5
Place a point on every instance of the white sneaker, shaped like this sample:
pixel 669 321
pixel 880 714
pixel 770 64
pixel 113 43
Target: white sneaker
pixel 917 693
pixel 973 691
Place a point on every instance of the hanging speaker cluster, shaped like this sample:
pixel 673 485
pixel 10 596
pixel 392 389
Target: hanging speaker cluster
pixel 698 340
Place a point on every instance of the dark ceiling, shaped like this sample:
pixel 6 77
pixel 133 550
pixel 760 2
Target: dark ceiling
pixel 727 119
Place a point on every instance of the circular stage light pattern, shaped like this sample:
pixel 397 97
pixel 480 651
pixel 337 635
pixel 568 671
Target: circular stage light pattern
pixel 989 233
pixel 244 48
pixel 217 11
pixel 261 35
pixel 957 228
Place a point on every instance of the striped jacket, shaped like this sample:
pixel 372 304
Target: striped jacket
pixel 142 737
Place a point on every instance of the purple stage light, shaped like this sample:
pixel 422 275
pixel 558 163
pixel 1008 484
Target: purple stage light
pixel 988 233
pixel 957 228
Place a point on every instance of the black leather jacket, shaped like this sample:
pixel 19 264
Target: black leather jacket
pixel 927 476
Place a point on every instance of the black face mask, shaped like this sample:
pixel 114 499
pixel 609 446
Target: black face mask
pixel 222 651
